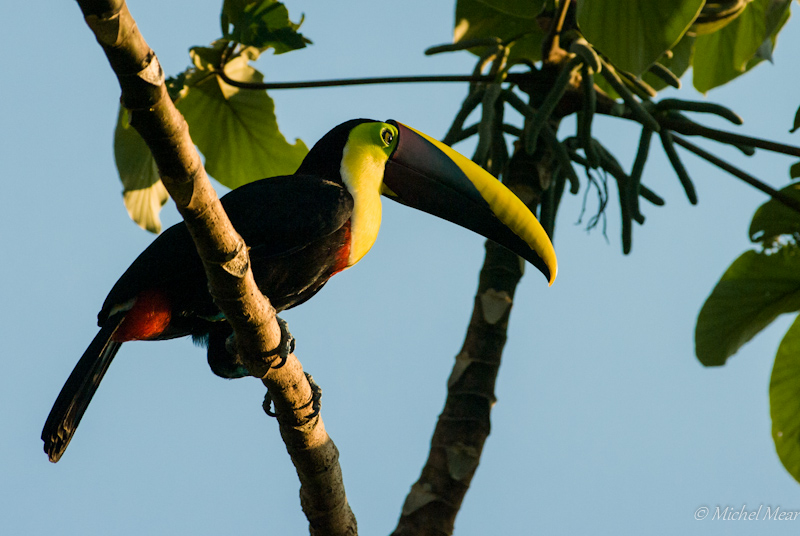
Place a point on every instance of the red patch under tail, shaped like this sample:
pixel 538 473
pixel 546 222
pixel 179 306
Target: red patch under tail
pixel 147 319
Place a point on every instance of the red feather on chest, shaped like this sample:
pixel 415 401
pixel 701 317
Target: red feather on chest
pixel 343 255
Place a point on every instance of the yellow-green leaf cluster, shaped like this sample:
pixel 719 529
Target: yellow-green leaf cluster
pixel 634 34
pixel 235 129
pixel 243 142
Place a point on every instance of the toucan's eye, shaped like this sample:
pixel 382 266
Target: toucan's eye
pixel 387 136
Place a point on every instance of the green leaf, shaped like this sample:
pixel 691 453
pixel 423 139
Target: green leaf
pixel 633 34
pixel 476 19
pixel 750 295
pixel 261 24
pixel 518 8
pixel 143 192
pixel 145 204
pixel 722 56
pixel 678 61
pixel 794 170
pixel 784 400
pixel 777 15
pixel 236 130
pixel 206 59
pixel 773 219
pixel 796 124
pixel 716 15
pixel 778 12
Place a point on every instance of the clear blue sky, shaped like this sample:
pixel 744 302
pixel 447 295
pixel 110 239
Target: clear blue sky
pixel 605 423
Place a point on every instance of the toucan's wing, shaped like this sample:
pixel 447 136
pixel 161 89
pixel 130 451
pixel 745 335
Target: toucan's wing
pixel 280 215
pixel 275 216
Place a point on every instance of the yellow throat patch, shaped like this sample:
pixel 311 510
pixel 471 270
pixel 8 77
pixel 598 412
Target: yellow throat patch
pixel 363 163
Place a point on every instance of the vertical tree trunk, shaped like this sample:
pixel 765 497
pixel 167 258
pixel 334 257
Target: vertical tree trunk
pixel 464 424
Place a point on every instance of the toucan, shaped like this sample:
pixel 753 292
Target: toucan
pixel 301 229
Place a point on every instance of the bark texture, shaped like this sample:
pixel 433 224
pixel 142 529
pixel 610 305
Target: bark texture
pixel 225 257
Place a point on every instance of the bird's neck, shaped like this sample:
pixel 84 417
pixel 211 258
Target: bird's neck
pixel 362 174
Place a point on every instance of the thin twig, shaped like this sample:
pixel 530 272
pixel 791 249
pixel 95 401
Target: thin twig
pixel 510 77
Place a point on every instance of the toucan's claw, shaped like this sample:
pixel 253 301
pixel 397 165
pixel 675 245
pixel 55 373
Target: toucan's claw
pixel 267 405
pixel 316 397
pixel 285 347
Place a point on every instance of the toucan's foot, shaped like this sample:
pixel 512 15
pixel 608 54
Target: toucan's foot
pixel 315 402
pixel 222 353
pixel 285 347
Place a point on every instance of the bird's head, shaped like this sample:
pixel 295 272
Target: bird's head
pixel 389 158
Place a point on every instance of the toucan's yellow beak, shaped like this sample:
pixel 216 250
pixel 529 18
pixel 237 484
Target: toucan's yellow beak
pixel 426 174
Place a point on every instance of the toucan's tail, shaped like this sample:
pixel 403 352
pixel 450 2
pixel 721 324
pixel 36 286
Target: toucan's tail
pixel 76 394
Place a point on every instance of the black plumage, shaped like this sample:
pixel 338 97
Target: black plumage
pixel 297 230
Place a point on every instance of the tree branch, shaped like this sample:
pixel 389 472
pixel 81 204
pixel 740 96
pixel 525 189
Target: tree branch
pixel 432 504
pixel 226 261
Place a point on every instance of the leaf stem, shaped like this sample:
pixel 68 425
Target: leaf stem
pixel 511 77
pixel 736 172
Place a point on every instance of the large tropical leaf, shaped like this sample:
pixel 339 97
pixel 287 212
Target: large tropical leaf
pixel 784 400
pixel 773 218
pixel 721 56
pixel 634 34
pixel 504 19
pixel 750 295
pixel 236 129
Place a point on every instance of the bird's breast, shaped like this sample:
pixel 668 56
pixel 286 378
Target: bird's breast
pixel 365 222
pixel 343 255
